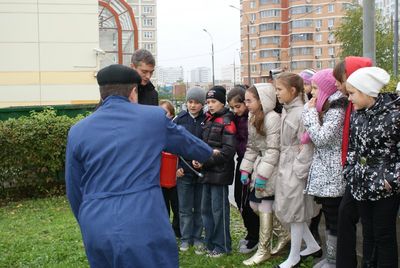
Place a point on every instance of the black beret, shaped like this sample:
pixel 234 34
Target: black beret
pixel 117 74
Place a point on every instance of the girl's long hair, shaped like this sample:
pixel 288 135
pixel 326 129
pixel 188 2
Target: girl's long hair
pixel 169 105
pixel 293 80
pixel 257 119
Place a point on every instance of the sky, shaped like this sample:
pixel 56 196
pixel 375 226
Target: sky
pixel 182 41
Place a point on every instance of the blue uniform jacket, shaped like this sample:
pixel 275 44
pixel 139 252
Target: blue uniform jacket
pixel 112 176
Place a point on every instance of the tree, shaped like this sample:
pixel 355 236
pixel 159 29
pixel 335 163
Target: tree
pixel 350 34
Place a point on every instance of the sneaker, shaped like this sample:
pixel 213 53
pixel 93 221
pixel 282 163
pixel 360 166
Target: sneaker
pixel 215 254
pixel 250 247
pixel 242 242
pixel 184 246
pixel 199 248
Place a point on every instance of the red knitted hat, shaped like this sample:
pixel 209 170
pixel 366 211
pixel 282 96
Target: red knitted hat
pixel 353 63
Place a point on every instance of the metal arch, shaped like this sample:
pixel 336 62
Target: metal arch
pixel 133 21
pixel 119 28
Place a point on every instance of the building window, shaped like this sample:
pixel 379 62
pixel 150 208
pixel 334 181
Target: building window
pixel 147 22
pixel 331 37
pixel 253 56
pixel 331 8
pixel 300 10
pixel 318 23
pixel 346 6
pixel 318 37
pixel 269 66
pixel 301 51
pixel 318 64
pixel 318 51
pixel 149 47
pixel 253 29
pixel 148 10
pixel 301 23
pixel 301 37
pixel 331 51
pixel 147 35
pixel 253 17
pixel 253 44
pixel 332 64
pixel 269 53
pixel 253 4
pixel 318 10
pixel 270 27
pixel 270 13
pixel 296 65
pixel 270 40
pixel 265 2
pixel 253 68
pixel 331 22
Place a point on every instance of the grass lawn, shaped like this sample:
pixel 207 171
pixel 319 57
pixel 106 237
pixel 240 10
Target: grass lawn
pixel 44 233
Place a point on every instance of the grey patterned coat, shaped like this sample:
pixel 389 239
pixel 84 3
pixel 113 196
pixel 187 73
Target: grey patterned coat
pixel 262 152
pixel 291 204
pixel 373 155
pixel 325 178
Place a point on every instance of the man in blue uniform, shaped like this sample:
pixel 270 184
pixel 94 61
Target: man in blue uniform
pixel 112 175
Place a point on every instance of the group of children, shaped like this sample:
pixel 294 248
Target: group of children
pixel 336 142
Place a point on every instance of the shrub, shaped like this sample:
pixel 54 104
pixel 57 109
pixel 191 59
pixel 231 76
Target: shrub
pixel 33 151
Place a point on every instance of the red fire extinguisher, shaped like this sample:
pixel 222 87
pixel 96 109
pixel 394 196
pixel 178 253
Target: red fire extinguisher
pixel 169 164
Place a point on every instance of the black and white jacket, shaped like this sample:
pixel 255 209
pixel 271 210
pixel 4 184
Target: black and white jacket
pixel 373 155
pixel 325 178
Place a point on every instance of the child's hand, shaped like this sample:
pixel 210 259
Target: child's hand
pixel 244 178
pixel 260 183
pixel 312 102
pixel 216 152
pixel 180 172
pixel 387 186
pixel 196 164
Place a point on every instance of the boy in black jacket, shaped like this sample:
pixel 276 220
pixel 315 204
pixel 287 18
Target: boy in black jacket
pixel 189 188
pixel 219 133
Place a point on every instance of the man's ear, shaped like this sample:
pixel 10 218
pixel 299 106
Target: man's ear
pixel 133 97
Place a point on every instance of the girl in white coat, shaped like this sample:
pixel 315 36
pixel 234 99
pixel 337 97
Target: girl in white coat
pixel 292 206
pixel 261 160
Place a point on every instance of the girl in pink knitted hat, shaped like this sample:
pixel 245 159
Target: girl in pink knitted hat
pixel 323 118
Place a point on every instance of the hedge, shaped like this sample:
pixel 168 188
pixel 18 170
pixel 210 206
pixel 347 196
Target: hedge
pixel 33 151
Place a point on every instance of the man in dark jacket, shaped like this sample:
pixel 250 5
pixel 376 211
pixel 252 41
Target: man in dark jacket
pixel 143 62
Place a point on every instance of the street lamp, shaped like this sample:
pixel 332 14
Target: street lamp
pixel 212 55
pixel 248 44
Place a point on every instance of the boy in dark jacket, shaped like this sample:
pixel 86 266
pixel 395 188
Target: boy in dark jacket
pixel 189 188
pixel 219 133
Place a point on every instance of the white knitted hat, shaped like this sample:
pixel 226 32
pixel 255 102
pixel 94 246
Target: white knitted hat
pixel 369 80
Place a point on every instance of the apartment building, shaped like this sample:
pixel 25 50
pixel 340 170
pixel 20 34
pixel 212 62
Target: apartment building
pixel 387 7
pixel 289 34
pixel 146 19
pixel 200 75
pixel 231 73
pixel 169 75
